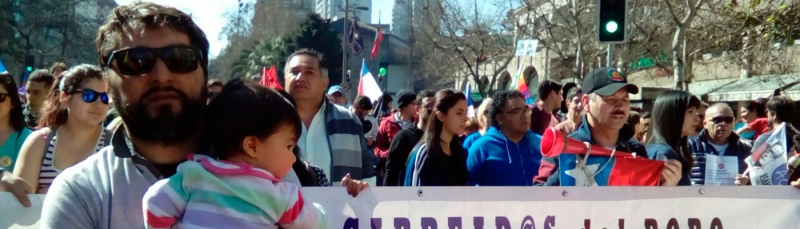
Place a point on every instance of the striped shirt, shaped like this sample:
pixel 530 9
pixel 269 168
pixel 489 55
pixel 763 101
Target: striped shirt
pixel 207 193
pixel 48 172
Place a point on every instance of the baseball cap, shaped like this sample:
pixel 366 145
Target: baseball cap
pixel 335 89
pixel 606 81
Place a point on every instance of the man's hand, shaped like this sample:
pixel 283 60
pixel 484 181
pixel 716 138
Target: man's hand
pixel 741 180
pixel 370 141
pixel 796 184
pixel 671 174
pixel 16 186
pixel 354 186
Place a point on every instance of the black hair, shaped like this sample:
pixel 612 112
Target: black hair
pixel 667 126
pixel 424 94
pixel 53 113
pixel 363 103
pixel 16 120
pixel 445 100
pixel 42 76
pixel 546 87
pixel 575 91
pixel 499 101
pixel 756 106
pixel 565 92
pixel 245 109
pixel 646 115
pixel 783 107
pixel 633 118
pixel 308 52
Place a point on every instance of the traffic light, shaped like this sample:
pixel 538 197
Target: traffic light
pixel 30 60
pixel 612 21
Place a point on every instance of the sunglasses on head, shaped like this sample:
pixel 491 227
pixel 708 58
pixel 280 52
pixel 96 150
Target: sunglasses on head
pixel 721 119
pixel 89 95
pixel 141 60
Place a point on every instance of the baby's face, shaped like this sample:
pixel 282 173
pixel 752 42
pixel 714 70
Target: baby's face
pixel 275 153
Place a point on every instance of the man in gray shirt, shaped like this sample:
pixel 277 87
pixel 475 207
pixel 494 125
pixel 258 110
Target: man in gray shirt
pixel 157 61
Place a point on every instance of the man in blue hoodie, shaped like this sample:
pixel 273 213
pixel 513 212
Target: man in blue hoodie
pixel 509 154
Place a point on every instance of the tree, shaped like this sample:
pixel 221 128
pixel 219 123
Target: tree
pixel 462 39
pixel 51 30
pixel 274 50
pixel 318 34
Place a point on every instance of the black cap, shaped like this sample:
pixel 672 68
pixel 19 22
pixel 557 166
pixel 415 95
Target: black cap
pixel 606 81
pixel 404 98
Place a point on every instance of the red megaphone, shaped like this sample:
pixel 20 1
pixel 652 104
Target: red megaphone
pixel 554 143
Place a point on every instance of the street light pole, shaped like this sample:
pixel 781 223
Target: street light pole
pixel 344 41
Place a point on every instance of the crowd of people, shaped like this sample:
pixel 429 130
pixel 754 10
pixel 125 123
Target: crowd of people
pixel 145 138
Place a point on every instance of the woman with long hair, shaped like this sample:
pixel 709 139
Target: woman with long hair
pixel 70 128
pixel 13 130
pixel 439 159
pixel 674 108
pixel 483 121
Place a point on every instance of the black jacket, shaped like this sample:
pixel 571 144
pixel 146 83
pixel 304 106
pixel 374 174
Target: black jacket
pixel 701 147
pixel 399 150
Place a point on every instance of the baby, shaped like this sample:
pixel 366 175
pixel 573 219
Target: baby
pixel 253 131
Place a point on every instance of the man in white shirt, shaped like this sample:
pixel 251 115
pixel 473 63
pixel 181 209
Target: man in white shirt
pixel 332 137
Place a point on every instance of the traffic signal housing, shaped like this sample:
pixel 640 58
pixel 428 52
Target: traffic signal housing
pixel 30 60
pixel 611 26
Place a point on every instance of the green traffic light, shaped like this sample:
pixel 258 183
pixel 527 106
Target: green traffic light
pixel 29 68
pixel 611 26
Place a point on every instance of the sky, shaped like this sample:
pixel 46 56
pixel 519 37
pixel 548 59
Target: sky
pixel 209 14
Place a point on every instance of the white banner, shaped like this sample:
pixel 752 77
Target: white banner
pixel 767 207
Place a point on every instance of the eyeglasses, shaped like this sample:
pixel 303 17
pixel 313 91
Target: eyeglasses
pixel 89 95
pixel 140 60
pixel 516 111
pixel 721 119
pixel 3 97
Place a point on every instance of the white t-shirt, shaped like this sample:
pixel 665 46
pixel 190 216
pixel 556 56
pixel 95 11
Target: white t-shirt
pixel 720 148
pixel 313 143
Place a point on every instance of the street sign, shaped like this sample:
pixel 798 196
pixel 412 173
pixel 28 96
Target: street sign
pixel 526 47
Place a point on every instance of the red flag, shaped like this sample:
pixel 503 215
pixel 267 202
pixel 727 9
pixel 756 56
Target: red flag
pixel 269 78
pixel 377 44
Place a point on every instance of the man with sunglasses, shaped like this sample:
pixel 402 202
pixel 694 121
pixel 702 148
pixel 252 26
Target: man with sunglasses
pixel 405 140
pixel 157 66
pixel 508 154
pixel 717 139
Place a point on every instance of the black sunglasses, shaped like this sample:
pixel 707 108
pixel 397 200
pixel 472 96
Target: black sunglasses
pixel 721 119
pixel 89 95
pixel 3 97
pixel 140 60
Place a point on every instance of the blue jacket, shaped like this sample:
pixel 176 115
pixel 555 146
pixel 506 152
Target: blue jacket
pixel 700 147
pixel 471 138
pixel 496 161
pixel 626 143
pixel 655 150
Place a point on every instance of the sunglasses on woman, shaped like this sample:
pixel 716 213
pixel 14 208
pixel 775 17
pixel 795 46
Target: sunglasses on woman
pixel 89 95
pixel 141 60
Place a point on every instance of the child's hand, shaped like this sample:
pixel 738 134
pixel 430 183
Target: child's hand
pixel 353 186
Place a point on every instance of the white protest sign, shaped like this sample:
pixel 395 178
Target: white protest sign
pixel 721 171
pixel 530 207
pixel 767 163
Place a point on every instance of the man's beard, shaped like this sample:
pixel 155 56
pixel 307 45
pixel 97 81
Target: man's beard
pixel 167 127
